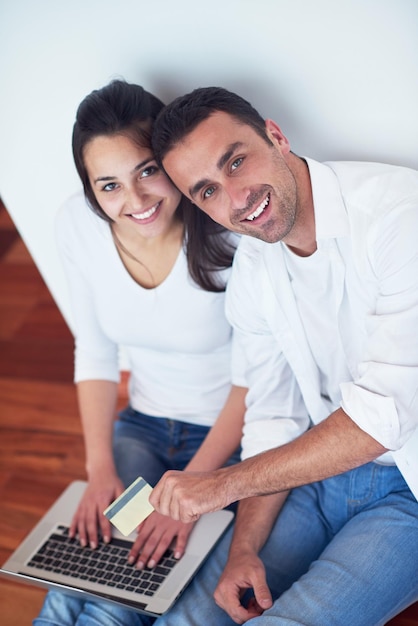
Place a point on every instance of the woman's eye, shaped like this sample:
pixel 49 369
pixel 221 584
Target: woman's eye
pixel 236 163
pixel 208 192
pixel 109 187
pixel 149 171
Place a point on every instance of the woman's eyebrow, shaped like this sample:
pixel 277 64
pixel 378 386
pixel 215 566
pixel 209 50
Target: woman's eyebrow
pixel 144 162
pixel 102 179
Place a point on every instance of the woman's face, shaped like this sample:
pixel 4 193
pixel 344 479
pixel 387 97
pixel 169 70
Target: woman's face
pixel 129 186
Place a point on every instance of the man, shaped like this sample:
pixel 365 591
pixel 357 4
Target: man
pixel 324 299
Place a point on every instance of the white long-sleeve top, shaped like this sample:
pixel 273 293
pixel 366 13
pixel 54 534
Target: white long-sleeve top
pixel 340 328
pixel 176 336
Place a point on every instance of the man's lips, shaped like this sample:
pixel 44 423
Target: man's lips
pixel 145 214
pixel 259 210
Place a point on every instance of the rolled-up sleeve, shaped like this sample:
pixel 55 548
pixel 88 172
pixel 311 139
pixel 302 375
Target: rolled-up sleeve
pixel 383 399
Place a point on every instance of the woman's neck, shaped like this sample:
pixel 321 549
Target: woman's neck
pixel 149 261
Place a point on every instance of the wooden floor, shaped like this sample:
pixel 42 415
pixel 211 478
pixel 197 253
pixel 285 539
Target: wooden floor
pixel 41 448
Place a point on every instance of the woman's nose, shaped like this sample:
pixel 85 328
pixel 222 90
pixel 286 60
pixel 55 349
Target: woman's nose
pixel 136 199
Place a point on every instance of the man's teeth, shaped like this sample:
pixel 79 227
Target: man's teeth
pixel 145 214
pixel 259 209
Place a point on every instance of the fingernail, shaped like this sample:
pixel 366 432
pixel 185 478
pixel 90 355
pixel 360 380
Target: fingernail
pixel 106 539
pixel 93 545
pixel 131 559
pixel 140 565
pixel 177 555
pixel 151 563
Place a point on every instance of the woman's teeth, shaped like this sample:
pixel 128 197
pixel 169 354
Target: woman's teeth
pixel 259 209
pixel 145 214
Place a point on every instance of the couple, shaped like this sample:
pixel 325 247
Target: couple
pixel 323 300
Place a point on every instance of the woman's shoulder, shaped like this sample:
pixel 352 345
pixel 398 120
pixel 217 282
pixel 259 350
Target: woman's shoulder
pixel 73 209
pixel 75 218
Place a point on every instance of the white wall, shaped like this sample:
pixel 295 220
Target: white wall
pixel 339 76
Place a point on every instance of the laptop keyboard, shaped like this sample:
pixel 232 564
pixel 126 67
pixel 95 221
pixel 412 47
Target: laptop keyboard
pixel 107 565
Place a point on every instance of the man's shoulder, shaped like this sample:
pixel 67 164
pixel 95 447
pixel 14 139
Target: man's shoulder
pixel 370 191
pixel 377 179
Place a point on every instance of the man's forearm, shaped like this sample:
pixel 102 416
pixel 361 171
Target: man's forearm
pixel 332 447
pixel 254 520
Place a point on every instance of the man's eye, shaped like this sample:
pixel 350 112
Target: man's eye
pixel 208 192
pixel 236 163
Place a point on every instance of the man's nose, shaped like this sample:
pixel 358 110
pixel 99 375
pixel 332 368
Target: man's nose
pixel 238 194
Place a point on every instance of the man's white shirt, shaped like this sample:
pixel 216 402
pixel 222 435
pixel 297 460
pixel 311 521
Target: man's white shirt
pixel 340 328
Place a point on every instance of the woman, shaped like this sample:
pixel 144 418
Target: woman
pixel 146 272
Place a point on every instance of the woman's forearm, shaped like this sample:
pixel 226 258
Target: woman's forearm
pixel 97 404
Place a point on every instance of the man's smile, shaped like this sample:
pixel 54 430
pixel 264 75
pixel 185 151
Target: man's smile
pixel 259 210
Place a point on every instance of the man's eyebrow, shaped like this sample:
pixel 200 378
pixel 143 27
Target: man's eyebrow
pixel 220 164
pixel 198 186
pixel 102 179
pixel 228 153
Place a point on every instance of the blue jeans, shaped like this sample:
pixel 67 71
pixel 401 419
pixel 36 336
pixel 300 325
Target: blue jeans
pixel 143 446
pixel 149 446
pixel 343 552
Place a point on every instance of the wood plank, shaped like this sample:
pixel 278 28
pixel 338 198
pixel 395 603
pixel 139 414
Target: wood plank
pixel 19 603
pixel 50 406
pixel 38 452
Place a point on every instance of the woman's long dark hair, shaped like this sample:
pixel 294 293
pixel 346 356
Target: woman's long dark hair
pixel 124 108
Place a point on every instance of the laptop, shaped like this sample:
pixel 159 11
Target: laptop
pixel 49 558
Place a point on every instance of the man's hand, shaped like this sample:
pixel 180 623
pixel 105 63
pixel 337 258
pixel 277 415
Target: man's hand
pixel 243 572
pixel 155 535
pixel 185 496
pixel 89 520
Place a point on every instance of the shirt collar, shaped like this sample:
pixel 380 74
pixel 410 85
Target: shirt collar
pixel 331 220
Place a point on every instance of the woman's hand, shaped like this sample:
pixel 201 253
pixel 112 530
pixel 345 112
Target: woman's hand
pixel 155 535
pixel 89 520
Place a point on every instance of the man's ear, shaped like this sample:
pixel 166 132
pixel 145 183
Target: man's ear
pixel 276 135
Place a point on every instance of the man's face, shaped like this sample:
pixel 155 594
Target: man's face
pixel 232 174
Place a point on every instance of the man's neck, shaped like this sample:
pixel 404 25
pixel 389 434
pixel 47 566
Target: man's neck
pixel 302 238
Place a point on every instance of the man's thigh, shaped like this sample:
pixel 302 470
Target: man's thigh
pixel 293 543
pixel 197 606
pixel 365 574
pixel 298 537
pixel 325 560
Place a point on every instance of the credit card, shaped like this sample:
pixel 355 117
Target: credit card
pixel 131 507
